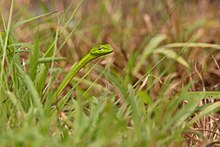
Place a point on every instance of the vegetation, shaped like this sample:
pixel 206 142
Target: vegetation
pixel 159 87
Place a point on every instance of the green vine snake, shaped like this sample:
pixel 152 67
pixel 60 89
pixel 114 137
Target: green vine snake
pixel 94 53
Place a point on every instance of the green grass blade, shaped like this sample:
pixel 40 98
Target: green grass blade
pixel 44 68
pixel 17 104
pixel 172 55
pixel 73 14
pixel 209 109
pixel 154 42
pixel 22 45
pixel 31 19
pixel 193 44
pixel 47 60
pixel 4 44
pixel 34 58
pixel 31 88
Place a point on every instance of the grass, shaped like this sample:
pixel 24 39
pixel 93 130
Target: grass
pixel 156 89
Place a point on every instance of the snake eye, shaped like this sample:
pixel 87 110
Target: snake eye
pixel 100 48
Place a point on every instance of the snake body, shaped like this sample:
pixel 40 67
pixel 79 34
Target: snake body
pixel 94 53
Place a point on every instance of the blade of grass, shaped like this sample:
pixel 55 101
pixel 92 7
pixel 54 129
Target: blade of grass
pixel 47 60
pixel 5 43
pixel 15 101
pixel 172 55
pixel 31 19
pixel 34 94
pixel 23 45
pixel 154 42
pixel 209 109
pixel 34 58
pixel 193 44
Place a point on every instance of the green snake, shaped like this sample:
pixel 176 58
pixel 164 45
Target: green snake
pixel 94 53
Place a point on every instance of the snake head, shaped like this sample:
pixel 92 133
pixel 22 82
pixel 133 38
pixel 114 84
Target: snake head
pixel 101 50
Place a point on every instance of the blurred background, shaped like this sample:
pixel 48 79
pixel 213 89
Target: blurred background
pixel 135 29
pixel 129 26
pixel 160 46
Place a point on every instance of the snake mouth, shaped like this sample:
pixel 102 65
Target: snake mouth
pixel 107 52
pixel 102 54
pixel 110 51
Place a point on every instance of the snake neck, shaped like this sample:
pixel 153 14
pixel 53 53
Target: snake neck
pixel 73 72
pixel 83 62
